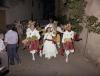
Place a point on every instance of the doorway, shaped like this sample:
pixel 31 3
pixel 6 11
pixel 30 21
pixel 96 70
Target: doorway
pixel 49 8
pixel 2 20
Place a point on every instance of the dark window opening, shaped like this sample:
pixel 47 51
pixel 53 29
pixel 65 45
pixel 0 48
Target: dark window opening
pixel 49 8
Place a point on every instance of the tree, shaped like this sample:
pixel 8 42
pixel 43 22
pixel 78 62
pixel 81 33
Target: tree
pixel 92 24
pixel 75 9
pixel 75 12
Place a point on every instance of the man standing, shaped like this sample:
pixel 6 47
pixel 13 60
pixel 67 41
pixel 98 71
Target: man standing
pixel 11 39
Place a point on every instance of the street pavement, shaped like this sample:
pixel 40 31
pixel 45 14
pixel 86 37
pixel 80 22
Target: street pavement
pixel 77 66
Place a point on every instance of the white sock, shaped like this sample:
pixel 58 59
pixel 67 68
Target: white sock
pixel 40 53
pixel 67 54
pixel 33 57
pixel 72 51
pixel 66 59
pixel 33 52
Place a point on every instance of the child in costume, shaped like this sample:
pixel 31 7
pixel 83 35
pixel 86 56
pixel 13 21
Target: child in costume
pixel 67 41
pixel 49 48
pixel 33 37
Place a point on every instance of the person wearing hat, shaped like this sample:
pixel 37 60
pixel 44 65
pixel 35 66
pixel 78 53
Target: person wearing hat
pixel 33 36
pixel 67 40
pixel 49 47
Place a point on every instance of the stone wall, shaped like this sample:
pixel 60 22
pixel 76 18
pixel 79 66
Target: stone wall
pixel 93 41
pixel 91 47
pixel 93 8
pixel 23 10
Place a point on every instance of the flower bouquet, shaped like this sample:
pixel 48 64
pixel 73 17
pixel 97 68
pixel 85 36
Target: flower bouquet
pixel 67 40
pixel 32 38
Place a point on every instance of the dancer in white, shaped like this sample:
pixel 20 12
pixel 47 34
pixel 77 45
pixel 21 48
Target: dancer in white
pixel 67 41
pixel 49 48
pixel 33 37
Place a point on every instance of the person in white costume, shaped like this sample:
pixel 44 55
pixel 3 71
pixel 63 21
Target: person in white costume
pixel 67 41
pixel 49 48
pixel 34 46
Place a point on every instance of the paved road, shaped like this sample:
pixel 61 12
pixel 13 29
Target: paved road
pixel 77 66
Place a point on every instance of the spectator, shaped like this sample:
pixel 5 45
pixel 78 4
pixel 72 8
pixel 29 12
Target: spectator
pixel 11 40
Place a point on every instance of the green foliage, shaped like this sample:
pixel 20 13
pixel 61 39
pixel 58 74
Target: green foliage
pixel 93 25
pixel 91 20
pixel 32 38
pixel 75 12
pixel 75 9
pixel 77 28
pixel 75 25
pixel 62 19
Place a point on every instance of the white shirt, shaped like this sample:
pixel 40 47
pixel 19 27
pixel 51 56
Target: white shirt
pixel 67 35
pixel 30 33
pixel 11 37
pixel 2 46
pixel 48 36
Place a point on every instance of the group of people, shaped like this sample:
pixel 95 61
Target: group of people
pixel 8 46
pixel 55 39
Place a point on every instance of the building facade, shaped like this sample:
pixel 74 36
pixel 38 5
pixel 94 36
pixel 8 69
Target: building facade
pixel 21 10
